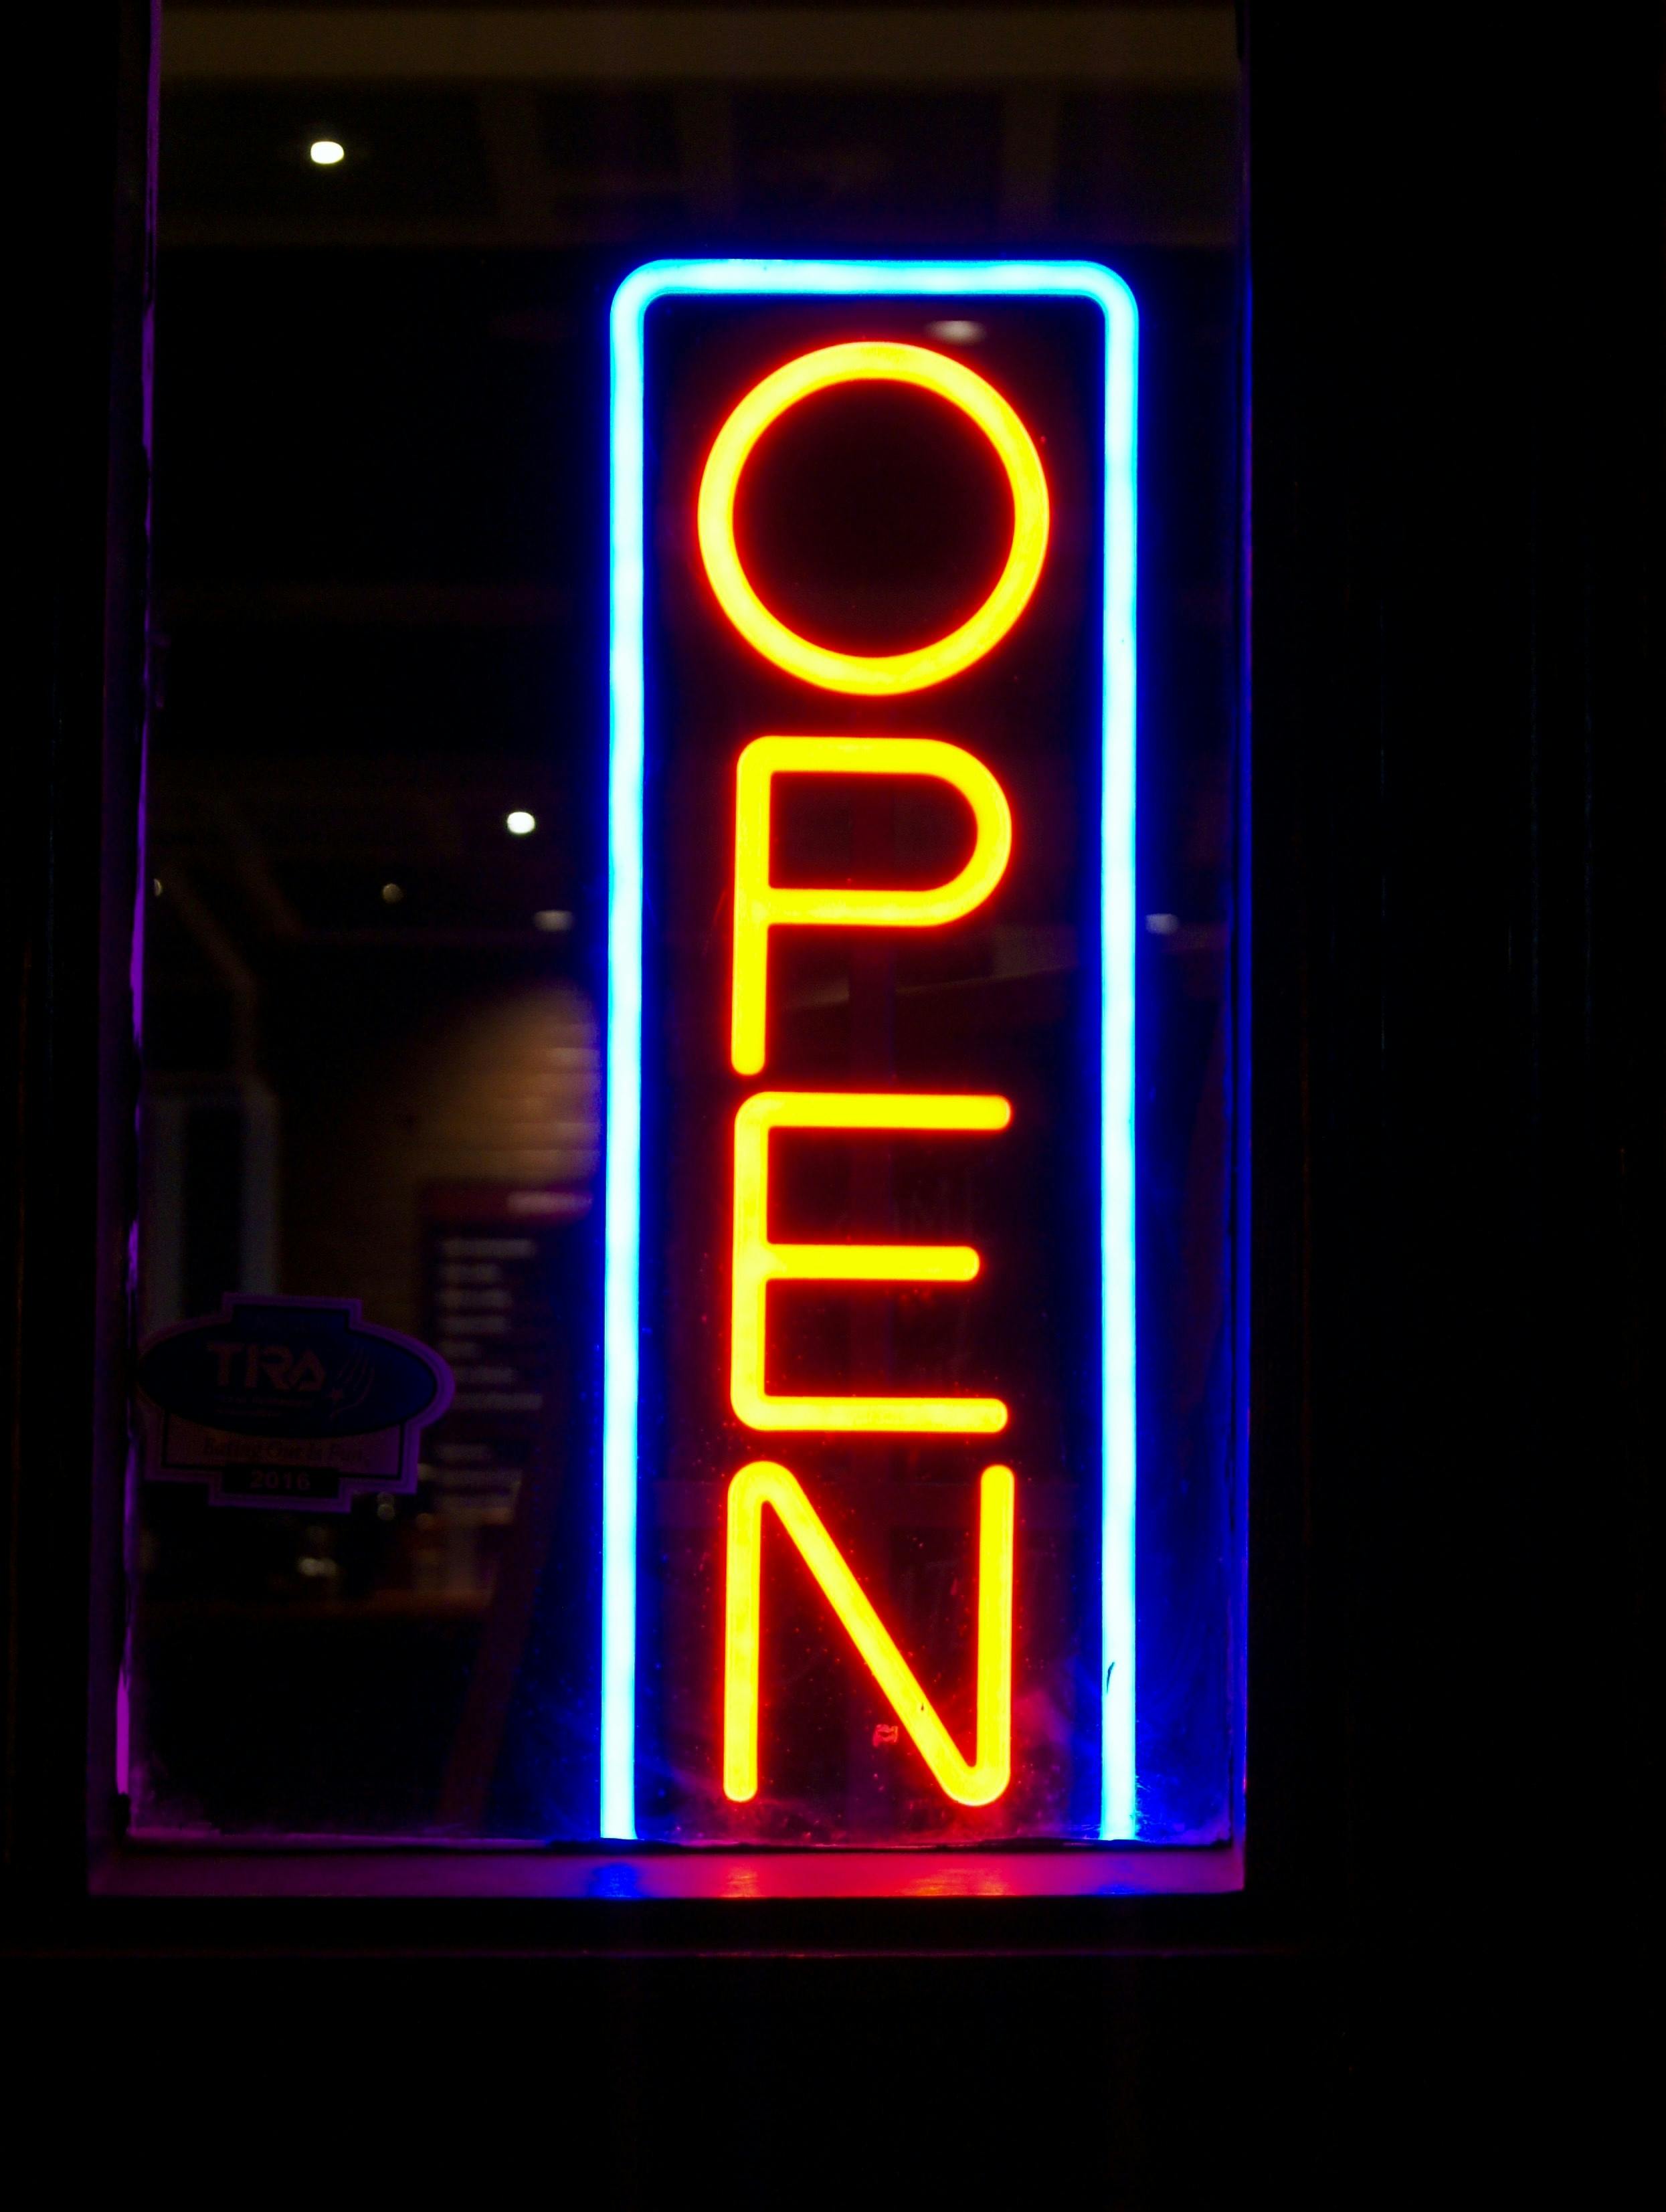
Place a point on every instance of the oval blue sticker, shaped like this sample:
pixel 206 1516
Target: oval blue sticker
pixel 301 1387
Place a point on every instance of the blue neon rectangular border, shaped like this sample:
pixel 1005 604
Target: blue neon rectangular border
pixel 621 1386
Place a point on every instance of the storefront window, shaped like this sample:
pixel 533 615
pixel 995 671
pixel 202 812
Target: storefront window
pixel 407 1447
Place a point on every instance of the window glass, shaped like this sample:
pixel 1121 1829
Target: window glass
pixel 366 1538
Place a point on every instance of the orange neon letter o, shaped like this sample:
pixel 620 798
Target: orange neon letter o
pixel 875 675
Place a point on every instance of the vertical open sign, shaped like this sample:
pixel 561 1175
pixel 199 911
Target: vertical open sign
pixel 868 1418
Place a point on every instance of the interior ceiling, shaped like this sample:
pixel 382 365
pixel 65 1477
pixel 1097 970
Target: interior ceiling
pixel 366 548
pixel 536 126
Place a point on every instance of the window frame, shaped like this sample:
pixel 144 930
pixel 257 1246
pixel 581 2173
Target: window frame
pixel 1336 1542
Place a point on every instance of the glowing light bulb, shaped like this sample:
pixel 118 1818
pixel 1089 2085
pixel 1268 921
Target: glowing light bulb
pixel 327 152
pixel 520 823
pixel 392 893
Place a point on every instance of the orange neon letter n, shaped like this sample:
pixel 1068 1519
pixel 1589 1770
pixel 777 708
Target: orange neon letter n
pixel 761 906
pixel 979 1781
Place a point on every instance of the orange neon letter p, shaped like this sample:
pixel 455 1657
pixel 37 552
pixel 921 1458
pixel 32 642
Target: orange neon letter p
pixel 761 906
pixel 758 1262
pixel 977 1782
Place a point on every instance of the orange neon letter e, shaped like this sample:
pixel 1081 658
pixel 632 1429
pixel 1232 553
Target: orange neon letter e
pixel 758 1261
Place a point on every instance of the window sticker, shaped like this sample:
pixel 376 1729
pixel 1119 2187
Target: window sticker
pixel 288 1402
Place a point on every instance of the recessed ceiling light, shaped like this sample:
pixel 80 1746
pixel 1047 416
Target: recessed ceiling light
pixel 392 893
pixel 552 917
pixel 520 823
pixel 327 152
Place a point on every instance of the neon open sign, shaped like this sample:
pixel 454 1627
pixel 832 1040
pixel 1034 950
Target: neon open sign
pixel 869 1420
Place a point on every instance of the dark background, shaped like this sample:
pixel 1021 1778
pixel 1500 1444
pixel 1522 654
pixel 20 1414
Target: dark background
pixel 1434 1975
